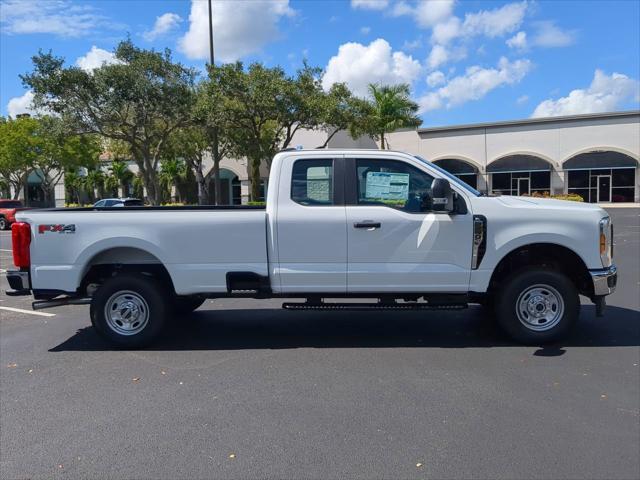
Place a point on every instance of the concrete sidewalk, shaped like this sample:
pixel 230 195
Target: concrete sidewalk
pixel 620 205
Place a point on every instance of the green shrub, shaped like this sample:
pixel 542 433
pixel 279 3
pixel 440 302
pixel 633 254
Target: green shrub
pixel 574 197
pixel 257 204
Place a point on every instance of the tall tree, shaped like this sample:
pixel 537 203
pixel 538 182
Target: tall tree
pixel 389 108
pixel 59 151
pixel 211 124
pixel 264 108
pixel 339 111
pixel 140 100
pixel 17 151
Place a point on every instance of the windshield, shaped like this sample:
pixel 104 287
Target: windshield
pixel 451 177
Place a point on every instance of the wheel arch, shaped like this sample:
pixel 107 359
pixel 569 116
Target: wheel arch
pixel 544 254
pixel 123 259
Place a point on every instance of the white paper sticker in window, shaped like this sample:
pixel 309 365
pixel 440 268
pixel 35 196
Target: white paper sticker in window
pixel 387 186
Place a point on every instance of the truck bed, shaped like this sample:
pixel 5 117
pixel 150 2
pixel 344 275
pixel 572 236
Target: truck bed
pixel 198 246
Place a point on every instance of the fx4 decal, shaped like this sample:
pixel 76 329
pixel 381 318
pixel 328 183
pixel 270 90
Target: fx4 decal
pixel 57 228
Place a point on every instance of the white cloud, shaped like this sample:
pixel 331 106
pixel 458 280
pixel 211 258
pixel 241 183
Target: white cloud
pixel 475 84
pixel 430 12
pixel 550 35
pixel 365 30
pixel 164 24
pixel 22 104
pixel 446 31
pixel 239 28
pixel 358 65
pixel 606 93
pixel 435 78
pixel 426 13
pixel 95 58
pixel 370 4
pixel 438 55
pixel 518 41
pixel 496 22
pixel 522 99
pixel 412 45
pixel 58 17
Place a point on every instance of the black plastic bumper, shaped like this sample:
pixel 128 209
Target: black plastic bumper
pixel 19 283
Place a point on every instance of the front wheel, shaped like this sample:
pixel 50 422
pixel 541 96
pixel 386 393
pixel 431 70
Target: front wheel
pixel 129 310
pixel 3 223
pixel 537 306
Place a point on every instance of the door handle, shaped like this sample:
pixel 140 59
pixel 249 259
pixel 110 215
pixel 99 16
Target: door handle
pixel 368 225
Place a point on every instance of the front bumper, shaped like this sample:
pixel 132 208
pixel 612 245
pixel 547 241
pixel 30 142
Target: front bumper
pixel 19 283
pixel 604 280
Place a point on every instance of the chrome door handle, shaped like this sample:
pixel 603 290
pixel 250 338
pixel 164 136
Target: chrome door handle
pixel 368 225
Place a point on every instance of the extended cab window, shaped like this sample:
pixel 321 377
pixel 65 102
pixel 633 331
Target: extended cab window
pixel 312 182
pixel 394 184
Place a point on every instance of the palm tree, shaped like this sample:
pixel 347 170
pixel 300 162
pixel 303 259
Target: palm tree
pixel 172 173
pixel 121 172
pixel 94 181
pixel 389 109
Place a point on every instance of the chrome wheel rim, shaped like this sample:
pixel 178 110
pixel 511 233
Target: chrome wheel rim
pixel 540 307
pixel 126 313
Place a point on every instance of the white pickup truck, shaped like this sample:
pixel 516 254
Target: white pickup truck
pixel 338 225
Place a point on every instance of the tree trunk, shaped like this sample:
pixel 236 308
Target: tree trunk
pixel 254 176
pixel 382 145
pixel 150 179
pixel 215 152
pixel 203 186
pixel 16 191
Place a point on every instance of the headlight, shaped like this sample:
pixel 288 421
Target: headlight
pixel 606 241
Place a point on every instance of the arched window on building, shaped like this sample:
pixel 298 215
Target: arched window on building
pixel 520 175
pixel 602 176
pixel 229 187
pixel 465 171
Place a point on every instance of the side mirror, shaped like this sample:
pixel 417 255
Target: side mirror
pixel 442 195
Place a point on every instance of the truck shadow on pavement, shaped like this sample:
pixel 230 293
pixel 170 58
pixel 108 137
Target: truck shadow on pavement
pixel 238 329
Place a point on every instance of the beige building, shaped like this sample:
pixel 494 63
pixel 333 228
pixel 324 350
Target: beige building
pixel 596 156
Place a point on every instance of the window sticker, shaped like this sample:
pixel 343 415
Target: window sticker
pixel 387 186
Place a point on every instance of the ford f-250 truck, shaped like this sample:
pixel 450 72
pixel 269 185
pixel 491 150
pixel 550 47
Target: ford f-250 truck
pixel 338 224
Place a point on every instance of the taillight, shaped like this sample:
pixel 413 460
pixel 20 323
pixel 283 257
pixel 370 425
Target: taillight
pixel 21 239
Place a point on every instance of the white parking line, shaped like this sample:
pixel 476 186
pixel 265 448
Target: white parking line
pixel 29 312
pixel 5 250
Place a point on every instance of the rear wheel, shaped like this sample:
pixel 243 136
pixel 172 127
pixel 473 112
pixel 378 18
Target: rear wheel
pixel 129 310
pixel 537 306
pixel 3 223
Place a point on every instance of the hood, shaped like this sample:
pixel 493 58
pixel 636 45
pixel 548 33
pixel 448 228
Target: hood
pixel 535 202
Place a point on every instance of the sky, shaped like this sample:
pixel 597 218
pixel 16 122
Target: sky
pixel 466 61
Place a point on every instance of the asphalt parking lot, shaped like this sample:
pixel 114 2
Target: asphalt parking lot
pixel 244 389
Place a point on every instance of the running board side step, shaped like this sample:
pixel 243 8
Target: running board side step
pixel 372 306
pixel 59 302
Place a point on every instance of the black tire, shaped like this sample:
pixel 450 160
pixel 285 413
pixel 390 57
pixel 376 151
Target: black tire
pixel 185 304
pixel 4 225
pixel 530 292
pixel 135 295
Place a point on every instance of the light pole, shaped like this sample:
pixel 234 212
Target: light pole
pixel 215 147
pixel 210 35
